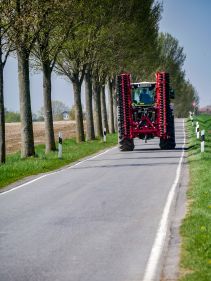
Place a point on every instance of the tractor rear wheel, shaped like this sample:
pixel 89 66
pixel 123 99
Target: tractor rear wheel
pixel 169 143
pixel 171 130
pixel 126 145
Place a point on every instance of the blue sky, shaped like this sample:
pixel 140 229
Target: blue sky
pixel 187 20
pixel 61 88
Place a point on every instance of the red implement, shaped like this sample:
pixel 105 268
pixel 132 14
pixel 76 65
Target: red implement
pixel 144 111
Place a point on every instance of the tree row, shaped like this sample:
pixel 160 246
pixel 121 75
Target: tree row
pixel 88 42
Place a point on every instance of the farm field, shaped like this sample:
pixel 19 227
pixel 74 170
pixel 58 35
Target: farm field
pixel 13 133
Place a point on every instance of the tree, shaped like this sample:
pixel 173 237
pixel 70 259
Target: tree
pixel 73 67
pixel 185 101
pixel 172 58
pixel 58 108
pixel 2 121
pixel 2 118
pixel 103 108
pixel 76 59
pixel 83 49
pixel 90 134
pixel 22 34
pixel 129 39
pixel 111 106
pixel 54 29
pixel 93 45
pixel 97 105
pixel 72 113
pixel 72 61
pixel 5 49
pixel 115 106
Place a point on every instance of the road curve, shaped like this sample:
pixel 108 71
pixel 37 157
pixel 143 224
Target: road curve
pixel 96 221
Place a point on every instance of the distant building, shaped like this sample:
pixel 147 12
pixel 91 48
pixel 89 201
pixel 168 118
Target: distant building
pixel 206 109
pixel 65 115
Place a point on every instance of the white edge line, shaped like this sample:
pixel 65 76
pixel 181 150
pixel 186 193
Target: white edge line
pixel 56 172
pixel 158 245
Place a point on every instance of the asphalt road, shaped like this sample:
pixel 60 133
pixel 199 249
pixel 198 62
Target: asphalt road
pixel 96 221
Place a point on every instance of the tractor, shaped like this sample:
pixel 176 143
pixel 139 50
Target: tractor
pixel 145 112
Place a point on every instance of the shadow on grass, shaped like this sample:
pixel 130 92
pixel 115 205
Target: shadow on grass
pixel 191 147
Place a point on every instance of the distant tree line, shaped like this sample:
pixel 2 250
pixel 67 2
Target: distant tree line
pixel 91 42
pixel 58 110
pixel 11 116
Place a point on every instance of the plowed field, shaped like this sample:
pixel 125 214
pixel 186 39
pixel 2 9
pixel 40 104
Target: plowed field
pixel 13 133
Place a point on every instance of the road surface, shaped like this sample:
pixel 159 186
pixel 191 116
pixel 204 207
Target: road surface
pixel 96 221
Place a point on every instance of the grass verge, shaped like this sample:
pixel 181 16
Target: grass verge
pixel 196 227
pixel 17 168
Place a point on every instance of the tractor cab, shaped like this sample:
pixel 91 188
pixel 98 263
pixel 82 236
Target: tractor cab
pixel 143 94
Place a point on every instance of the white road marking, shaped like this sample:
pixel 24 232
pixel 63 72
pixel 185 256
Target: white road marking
pixel 163 226
pixel 56 172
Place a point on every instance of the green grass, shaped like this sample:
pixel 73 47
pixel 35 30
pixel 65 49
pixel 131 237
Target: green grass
pixel 17 168
pixel 196 228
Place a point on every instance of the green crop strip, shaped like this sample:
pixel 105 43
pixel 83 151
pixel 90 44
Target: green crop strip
pixel 17 168
pixel 196 227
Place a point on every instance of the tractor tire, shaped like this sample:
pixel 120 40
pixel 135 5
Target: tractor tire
pixel 171 130
pixel 166 144
pixel 126 145
pixel 169 143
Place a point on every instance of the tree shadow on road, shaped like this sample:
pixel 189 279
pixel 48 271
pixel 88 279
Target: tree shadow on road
pixel 127 165
pixel 149 150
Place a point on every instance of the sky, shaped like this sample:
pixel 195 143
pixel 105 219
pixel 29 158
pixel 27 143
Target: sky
pixel 61 88
pixel 188 21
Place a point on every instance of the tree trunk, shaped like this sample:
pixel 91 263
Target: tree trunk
pixel 2 117
pixel 78 111
pixel 97 109
pixel 48 115
pixel 27 137
pixel 103 109
pixel 110 105
pixel 115 107
pixel 90 134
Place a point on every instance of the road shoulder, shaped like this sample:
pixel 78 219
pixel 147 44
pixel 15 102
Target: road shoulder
pixel 170 271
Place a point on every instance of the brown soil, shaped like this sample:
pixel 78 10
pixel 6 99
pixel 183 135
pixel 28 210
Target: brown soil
pixel 13 133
